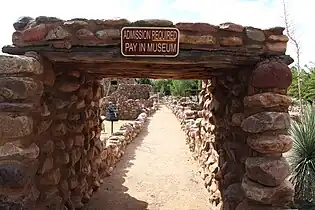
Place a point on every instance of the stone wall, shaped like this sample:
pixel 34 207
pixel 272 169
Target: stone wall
pixel 69 138
pixel 112 88
pixel 130 100
pixel 115 145
pixel 20 111
pixel 239 136
pixel 51 154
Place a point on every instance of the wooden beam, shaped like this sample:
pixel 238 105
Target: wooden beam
pixel 212 58
pixel 138 70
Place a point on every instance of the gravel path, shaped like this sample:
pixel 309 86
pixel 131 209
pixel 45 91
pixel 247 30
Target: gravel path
pixel 156 172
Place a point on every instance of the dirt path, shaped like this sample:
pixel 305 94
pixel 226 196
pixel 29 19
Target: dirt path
pixel 156 172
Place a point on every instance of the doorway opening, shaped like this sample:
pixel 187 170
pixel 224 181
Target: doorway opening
pixel 50 105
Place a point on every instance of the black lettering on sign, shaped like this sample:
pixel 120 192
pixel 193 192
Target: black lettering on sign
pixel 150 42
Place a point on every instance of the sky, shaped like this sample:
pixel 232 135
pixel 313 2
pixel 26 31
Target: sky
pixel 256 13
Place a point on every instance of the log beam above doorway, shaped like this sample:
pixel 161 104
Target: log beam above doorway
pixel 95 45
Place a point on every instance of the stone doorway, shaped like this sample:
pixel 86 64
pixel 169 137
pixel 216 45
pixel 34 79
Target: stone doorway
pixel 50 116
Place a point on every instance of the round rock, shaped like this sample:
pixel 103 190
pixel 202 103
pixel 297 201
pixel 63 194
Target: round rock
pixel 271 74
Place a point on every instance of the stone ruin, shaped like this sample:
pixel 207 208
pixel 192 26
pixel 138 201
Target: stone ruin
pixel 51 153
pixel 201 132
pixel 131 100
pixel 111 84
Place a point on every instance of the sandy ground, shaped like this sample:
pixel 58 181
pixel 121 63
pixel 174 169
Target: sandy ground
pixel 116 127
pixel 156 172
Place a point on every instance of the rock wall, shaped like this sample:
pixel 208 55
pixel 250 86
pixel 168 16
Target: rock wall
pixel 20 94
pixel 114 146
pixel 131 100
pixel 266 121
pixel 69 139
pixel 239 136
pixel 51 153
pixel 112 88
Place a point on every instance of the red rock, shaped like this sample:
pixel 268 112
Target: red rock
pixel 278 47
pixel 84 34
pixel 271 74
pixel 57 33
pixel 255 34
pixel 270 144
pixel 36 33
pixel 266 170
pixel 281 195
pixel 17 38
pixel 278 38
pixel 22 22
pixel 231 27
pixel 14 127
pixel 267 100
pixel 275 30
pixel 266 121
pixel 197 27
pixel 231 41
pixel 49 74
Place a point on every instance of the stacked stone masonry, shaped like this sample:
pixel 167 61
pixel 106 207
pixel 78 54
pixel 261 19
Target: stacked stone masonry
pixel 131 100
pixel 51 153
pixel 115 145
pixel 69 138
pixel 238 135
pixel 65 34
pixel 109 88
pixel 52 156
pixel 20 103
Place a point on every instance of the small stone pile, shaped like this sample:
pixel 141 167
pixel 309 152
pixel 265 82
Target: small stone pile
pixel 115 145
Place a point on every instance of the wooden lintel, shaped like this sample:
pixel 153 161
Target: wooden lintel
pixel 154 71
pixel 107 61
pixel 234 56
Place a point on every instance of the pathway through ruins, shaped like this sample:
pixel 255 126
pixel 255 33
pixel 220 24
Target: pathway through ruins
pixel 156 172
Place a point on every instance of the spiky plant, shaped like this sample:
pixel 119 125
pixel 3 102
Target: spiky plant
pixel 302 156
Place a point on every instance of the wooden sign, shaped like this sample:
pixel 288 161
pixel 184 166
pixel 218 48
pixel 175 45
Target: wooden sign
pixel 149 42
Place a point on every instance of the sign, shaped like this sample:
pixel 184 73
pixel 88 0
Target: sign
pixel 112 114
pixel 149 42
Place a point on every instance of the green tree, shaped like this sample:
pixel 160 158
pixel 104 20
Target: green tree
pixel 145 81
pixel 307 84
pixel 163 86
pixel 179 87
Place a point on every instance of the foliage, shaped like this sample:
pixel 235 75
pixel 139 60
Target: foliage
pixel 145 81
pixel 163 86
pixel 302 156
pixel 307 84
pixel 172 87
pixel 180 87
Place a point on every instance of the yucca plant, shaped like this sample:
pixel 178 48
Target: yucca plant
pixel 302 157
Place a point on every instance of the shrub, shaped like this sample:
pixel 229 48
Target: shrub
pixel 302 156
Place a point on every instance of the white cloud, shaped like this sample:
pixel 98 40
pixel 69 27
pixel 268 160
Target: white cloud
pixel 257 13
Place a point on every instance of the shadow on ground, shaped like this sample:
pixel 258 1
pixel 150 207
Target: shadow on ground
pixel 112 194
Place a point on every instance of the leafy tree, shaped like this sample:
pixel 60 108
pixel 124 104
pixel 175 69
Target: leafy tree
pixel 163 86
pixel 179 87
pixel 307 84
pixel 145 81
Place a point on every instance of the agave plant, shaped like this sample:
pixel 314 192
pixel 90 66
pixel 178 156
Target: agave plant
pixel 302 156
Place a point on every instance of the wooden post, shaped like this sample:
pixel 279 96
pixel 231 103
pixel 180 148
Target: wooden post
pixel 112 127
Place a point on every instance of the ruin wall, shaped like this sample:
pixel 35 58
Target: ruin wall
pixel 238 134
pixel 51 153
pixel 130 100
